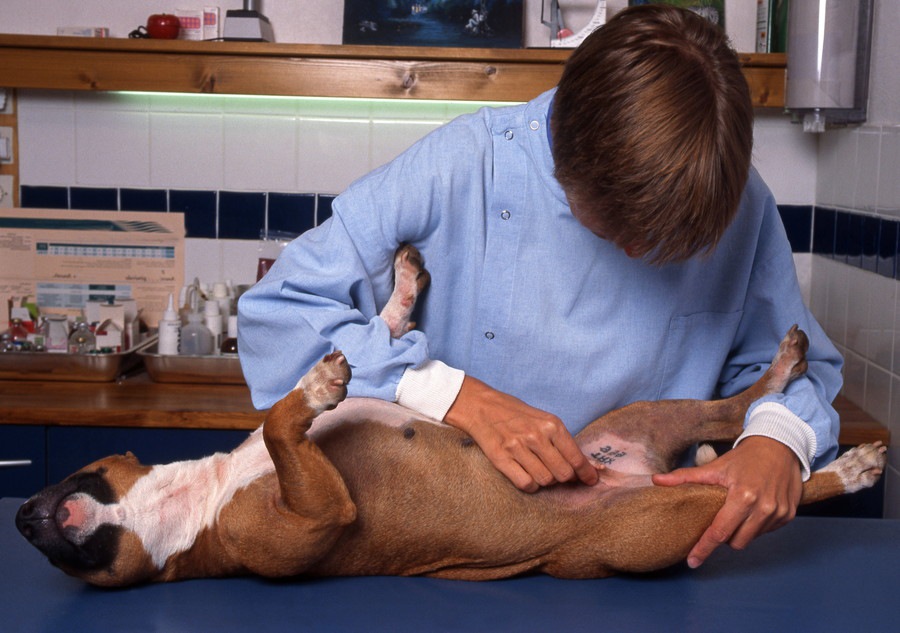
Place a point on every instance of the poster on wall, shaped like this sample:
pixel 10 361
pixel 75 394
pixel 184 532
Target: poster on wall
pixel 712 10
pixel 463 23
pixel 61 260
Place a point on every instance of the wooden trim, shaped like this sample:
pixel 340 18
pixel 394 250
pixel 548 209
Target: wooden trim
pixel 69 63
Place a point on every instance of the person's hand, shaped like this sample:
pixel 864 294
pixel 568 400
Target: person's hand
pixel 531 447
pixel 763 481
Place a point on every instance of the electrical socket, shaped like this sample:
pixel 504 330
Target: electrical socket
pixel 6 145
pixel 6 191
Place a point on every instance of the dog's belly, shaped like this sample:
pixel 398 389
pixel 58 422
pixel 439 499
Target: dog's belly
pixel 429 501
pixel 354 410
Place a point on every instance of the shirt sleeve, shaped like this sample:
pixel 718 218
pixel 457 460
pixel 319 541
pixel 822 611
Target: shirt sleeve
pixel 773 304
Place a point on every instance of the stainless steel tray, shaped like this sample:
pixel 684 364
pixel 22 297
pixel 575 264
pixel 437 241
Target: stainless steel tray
pixel 224 370
pixel 69 367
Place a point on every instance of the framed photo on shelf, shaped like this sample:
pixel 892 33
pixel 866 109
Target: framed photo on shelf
pixel 462 23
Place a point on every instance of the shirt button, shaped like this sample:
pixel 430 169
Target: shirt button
pixel 535 125
pixel 504 214
pixel 509 135
pixel 489 335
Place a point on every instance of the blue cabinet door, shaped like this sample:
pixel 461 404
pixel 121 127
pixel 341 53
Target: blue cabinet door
pixel 72 448
pixel 23 462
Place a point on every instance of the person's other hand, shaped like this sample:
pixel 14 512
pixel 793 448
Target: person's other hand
pixel 763 481
pixel 530 447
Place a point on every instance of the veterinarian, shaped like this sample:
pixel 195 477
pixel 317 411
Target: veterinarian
pixel 604 243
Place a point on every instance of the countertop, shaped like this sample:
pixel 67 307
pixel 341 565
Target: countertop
pixel 137 401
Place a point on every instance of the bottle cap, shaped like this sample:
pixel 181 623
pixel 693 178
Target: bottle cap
pixel 169 314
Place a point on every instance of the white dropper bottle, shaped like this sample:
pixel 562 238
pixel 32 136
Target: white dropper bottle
pixel 169 330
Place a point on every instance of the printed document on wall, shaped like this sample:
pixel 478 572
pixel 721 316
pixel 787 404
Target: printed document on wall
pixel 63 259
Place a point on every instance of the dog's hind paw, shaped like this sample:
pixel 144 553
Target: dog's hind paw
pixel 410 279
pixel 325 385
pixel 860 467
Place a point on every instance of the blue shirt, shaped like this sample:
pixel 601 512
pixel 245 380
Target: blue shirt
pixel 524 297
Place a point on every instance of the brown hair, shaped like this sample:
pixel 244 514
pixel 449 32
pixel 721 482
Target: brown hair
pixel 652 131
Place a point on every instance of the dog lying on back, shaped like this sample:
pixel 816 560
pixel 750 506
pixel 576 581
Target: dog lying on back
pixel 329 486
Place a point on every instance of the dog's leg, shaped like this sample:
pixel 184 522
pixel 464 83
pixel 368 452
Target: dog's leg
pixel 285 533
pixel 858 468
pixel 647 437
pixel 410 279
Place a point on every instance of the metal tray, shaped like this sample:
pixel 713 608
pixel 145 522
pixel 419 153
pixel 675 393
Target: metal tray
pixel 225 370
pixel 69 367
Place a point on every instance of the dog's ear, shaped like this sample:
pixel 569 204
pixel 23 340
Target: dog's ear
pixel 131 457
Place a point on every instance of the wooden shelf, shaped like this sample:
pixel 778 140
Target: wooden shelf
pixel 255 68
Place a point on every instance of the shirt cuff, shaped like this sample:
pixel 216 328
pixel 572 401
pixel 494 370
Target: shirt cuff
pixel 777 422
pixel 430 389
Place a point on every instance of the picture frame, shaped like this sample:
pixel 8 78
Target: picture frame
pixel 454 23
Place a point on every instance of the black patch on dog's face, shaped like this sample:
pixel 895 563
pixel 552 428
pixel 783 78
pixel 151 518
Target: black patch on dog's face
pixel 38 520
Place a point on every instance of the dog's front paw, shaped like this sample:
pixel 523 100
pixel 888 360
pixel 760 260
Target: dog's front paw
pixel 860 467
pixel 325 385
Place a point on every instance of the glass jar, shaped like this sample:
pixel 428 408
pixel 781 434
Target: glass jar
pixel 82 340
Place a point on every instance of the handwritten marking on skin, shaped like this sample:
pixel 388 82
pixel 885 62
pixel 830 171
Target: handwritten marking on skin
pixel 607 455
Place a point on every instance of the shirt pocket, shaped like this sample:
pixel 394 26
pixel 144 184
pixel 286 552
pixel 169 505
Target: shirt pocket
pixel 696 349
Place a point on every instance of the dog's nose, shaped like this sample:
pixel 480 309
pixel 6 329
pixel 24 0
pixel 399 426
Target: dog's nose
pixel 23 520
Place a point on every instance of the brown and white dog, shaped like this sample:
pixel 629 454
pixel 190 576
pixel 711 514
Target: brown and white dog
pixel 369 488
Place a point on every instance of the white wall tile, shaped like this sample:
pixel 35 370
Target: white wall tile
pixel 878 394
pixel 845 166
pixel 391 138
pixel 889 172
pixel 882 299
pixel 868 151
pixel 260 153
pixel 111 147
pixel 239 258
pixel 46 139
pixel 835 321
pixel 857 329
pixel 854 377
pixel 203 260
pixel 186 151
pixel 826 167
pixel 785 157
pixel 332 154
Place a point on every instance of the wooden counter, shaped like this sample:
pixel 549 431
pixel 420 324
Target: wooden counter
pixel 138 402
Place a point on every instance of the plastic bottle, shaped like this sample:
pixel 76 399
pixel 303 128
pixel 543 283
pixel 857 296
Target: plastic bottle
pixel 229 345
pixel 212 318
pixel 222 294
pixel 196 339
pixel 169 330
pixel 82 340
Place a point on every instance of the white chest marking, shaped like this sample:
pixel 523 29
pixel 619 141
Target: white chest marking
pixel 173 503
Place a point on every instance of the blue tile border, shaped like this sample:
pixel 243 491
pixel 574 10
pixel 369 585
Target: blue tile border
pixel 856 239
pixel 239 215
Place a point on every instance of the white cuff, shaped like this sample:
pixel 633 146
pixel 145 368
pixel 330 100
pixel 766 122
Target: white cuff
pixel 776 421
pixel 430 389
